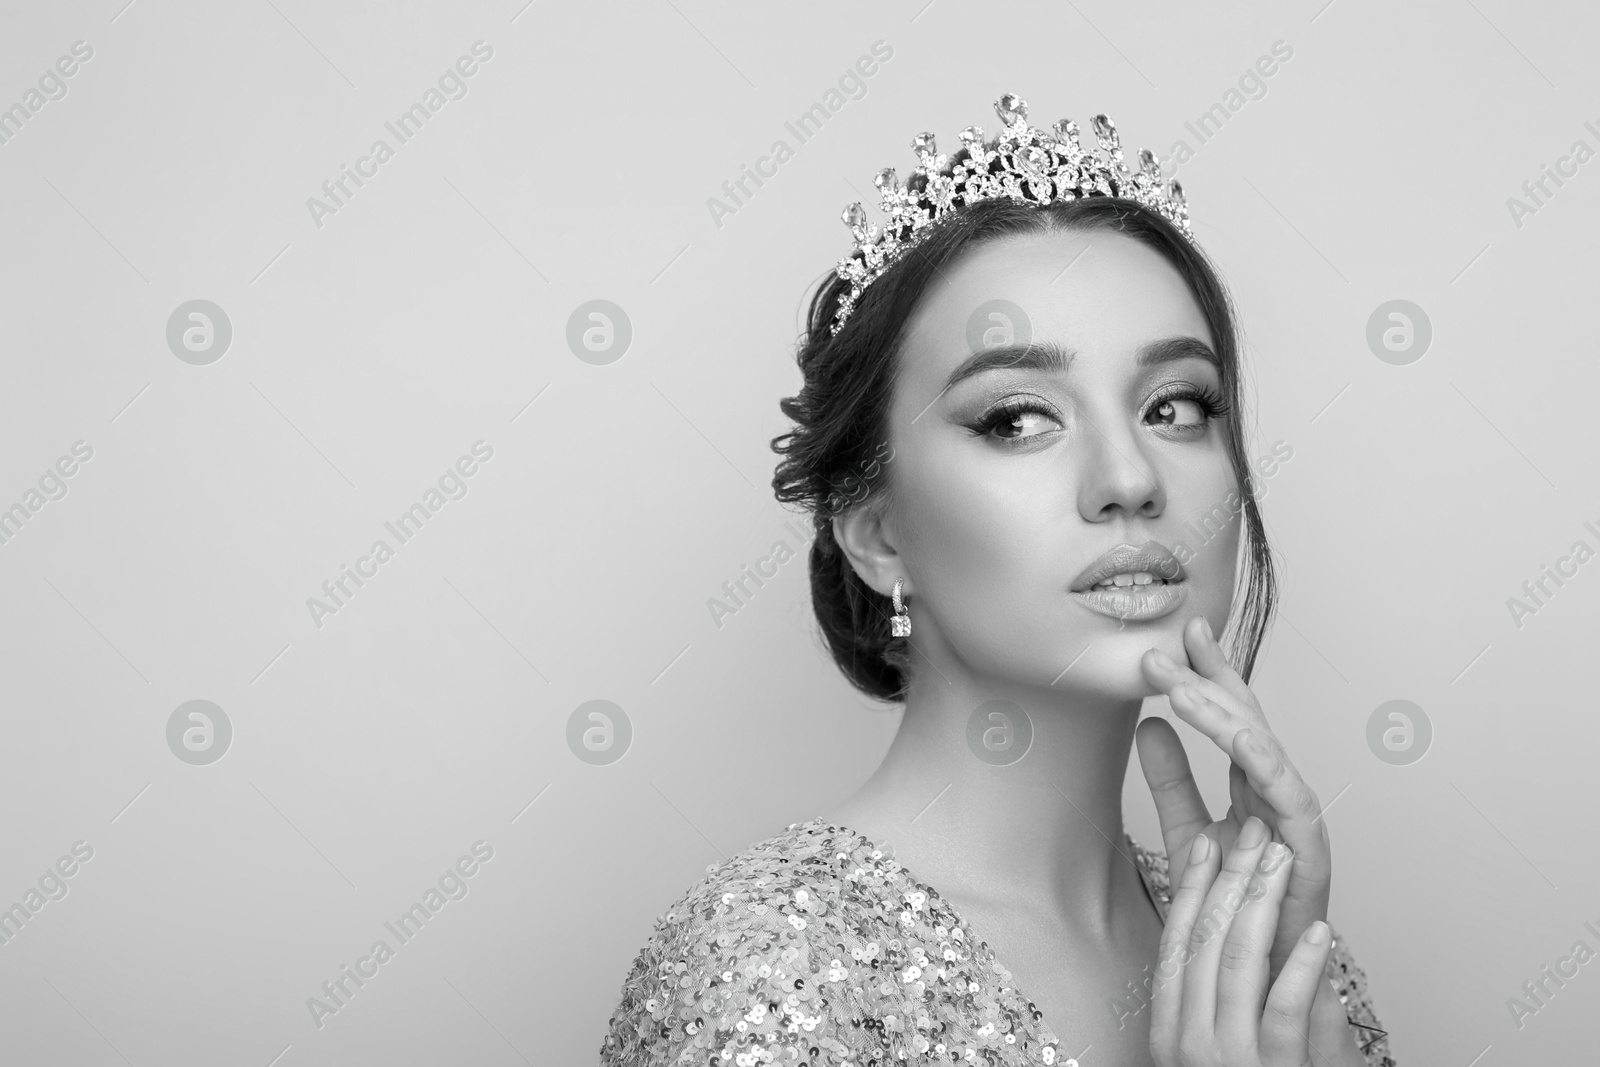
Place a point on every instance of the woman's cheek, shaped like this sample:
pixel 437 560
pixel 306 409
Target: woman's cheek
pixel 1204 536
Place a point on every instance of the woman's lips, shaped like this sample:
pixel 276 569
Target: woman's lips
pixel 1133 582
pixel 1134 603
pixel 1152 558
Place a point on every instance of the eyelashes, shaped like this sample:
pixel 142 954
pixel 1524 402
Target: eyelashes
pixel 1210 402
pixel 1026 416
pixel 1010 412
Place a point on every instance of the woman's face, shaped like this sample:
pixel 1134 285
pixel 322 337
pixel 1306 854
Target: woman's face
pixel 1032 480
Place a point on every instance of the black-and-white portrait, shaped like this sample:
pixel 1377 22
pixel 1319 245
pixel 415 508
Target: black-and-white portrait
pixel 691 534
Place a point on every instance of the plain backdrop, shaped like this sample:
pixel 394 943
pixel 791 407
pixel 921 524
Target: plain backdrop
pixel 374 345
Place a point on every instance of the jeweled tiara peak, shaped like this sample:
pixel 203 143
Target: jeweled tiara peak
pixel 1021 163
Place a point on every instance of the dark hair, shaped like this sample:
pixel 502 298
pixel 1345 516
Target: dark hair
pixel 830 459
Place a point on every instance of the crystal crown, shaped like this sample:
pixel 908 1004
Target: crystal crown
pixel 1021 163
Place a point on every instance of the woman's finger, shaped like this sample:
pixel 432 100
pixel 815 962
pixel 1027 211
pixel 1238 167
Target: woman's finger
pixel 1267 770
pixel 1244 970
pixel 1210 661
pixel 1179 806
pixel 1203 857
pixel 1247 801
pixel 1286 1020
pixel 1333 1040
pixel 1298 812
pixel 1166 674
pixel 1254 750
pixel 1229 720
pixel 1201 704
pixel 1228 894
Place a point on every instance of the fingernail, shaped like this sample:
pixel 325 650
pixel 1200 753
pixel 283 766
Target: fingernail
pixel 1164 661
pixel 1200 849
pixel 1254 832
pixel 1318 933
pixel 1206 623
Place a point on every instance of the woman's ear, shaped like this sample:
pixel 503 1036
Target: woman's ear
pixel 863 536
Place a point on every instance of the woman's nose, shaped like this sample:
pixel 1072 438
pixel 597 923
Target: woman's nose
pixel 1118 477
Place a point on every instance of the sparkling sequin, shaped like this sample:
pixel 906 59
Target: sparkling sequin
pixel 877 971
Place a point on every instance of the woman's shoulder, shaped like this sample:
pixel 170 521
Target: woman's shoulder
pixel 799 879
pixel 1349 980
pixel 814 946
pixel 738 959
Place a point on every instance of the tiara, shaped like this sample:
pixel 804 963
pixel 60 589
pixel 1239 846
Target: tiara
pixel 1021 163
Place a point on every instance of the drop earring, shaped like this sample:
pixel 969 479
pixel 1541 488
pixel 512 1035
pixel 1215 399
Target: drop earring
pixel 900 622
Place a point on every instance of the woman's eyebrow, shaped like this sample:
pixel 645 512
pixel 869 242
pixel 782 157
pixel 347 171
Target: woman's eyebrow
pixel 1181 346
pixel 1050 356
pixel 1040 355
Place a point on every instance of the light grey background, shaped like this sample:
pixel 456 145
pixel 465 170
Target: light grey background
pixel 369 353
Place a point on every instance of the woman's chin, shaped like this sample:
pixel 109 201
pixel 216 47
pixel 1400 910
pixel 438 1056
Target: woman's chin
pixel 1111 667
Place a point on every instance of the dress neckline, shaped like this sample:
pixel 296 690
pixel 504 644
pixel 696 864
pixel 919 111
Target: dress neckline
pixel 972 935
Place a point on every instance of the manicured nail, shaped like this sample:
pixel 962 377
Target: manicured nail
pixel 1317 933
pixel 1164 661
pixel 1253 833
pixel 1206 625
pixel 1200 849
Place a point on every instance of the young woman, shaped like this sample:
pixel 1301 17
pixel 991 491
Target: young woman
pixel 1020 404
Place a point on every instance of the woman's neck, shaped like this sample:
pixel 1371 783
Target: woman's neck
pixel 1042 831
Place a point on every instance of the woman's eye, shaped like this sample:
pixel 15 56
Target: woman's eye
pixel 1179 412
pixel 1018 422
pixel 1023 424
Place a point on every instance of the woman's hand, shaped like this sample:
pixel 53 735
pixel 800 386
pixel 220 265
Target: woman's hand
pixel 1211 1004
pixel 1262 782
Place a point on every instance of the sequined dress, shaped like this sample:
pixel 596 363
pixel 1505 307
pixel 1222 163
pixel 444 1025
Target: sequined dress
pixel 817 947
